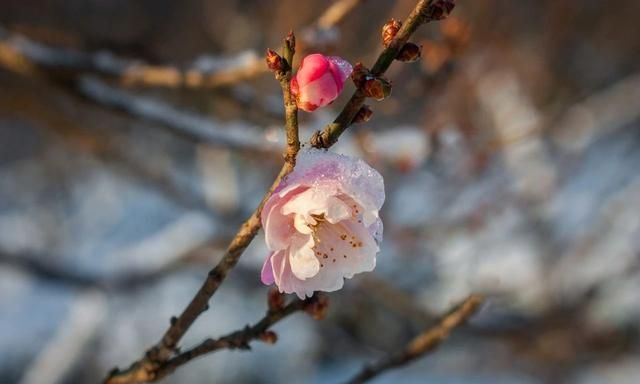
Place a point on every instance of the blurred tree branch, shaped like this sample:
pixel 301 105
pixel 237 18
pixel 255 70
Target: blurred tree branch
pixel 130 71
pixel 423 343
pixel 240 339
pixel 239 136
pixel 21 54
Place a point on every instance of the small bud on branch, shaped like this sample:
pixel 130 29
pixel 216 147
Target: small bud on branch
pixel 274 61
pixel 363 115
pixel 289 47
pixel 439 10
pixel 389 31
pixel 377 88
pixel 360 74
pixel 410 52
pixel 268 337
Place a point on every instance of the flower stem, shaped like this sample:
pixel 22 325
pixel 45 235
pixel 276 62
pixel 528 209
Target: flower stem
pixel 332 131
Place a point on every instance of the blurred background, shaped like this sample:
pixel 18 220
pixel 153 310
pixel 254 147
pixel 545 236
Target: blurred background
pixel 135 136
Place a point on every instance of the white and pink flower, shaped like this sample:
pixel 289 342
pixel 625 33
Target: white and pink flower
pixel 321 223
pixel 319 80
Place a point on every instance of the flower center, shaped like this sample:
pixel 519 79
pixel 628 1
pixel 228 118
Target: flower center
pixel 339 242
pixel 316 227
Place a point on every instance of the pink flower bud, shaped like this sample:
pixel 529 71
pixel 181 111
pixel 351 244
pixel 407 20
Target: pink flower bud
pixel 321 224
pixel 319 80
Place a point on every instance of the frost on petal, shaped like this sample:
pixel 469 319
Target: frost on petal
pixel 340 69
pixel 354 177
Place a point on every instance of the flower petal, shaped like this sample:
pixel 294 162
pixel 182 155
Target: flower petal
pixel 312 67
pixel 352 176
pixel 340 69
pixel 319 92
pixel 318 200
pixel 304 263
pixel 278 228
pixel 346 248
pixel 266 276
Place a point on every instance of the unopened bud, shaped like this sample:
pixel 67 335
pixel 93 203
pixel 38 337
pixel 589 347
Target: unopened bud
pixel 290 41
pixel 439 10
pixel 359 74
pixel 268 337
pixel 275 300
pixel 363 115
pixel 377 88
pixel 317 309
pixel 410 52
pixel 389 31
pixel 274 61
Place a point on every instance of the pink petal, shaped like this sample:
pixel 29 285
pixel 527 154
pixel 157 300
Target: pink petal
pixel 267 272
pixel 278 228
pixel 320 92
pixel 352 176
pixel 312 67
pixel 280 267
pixel 349 194
pixel 303 262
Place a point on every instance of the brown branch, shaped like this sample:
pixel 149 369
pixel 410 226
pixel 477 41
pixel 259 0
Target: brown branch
pixel 133 72
pixel 146 369
pixel 424 12
pixel 423 343
pixel 236 340
pixel 290 105
pixel 129 71
pixel 166 76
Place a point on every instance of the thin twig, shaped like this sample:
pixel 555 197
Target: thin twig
pixel 423 343
pixel 20 53
pixel 130 71
pixel 417 17
pixel 166 76
pixel 147 368
pixel 236 340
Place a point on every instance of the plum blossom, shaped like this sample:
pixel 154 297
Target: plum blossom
pixel 321 223
pixel 319 80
